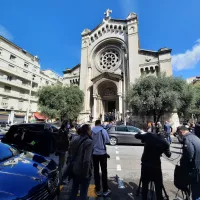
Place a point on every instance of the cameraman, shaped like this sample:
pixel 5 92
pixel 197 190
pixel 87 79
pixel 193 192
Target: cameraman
pixel 154 146
pixel 190 159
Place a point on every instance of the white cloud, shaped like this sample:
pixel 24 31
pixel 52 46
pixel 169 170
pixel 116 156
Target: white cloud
pixel 188 60
pixel 128 6
pixel 5 33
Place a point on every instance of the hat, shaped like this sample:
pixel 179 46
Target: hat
pixel 183 128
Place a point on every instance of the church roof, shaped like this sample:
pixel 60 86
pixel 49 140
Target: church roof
pixel 156 53
pixel 72 69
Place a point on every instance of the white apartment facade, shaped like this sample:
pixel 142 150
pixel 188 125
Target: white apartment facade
pixel 20 78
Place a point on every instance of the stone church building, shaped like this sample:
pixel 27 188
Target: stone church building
pixel 111 60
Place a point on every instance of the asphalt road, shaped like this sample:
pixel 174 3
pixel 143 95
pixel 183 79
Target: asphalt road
pixel 124 168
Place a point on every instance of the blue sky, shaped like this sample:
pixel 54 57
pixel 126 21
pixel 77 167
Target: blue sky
pixel 52 29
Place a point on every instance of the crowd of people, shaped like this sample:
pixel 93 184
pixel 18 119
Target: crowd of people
pixel 87 151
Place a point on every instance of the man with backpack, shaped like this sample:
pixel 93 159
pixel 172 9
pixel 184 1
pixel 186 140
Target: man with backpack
pixel 100 139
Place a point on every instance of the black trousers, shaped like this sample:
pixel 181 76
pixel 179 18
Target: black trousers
pixel 149 174
pixel 102 161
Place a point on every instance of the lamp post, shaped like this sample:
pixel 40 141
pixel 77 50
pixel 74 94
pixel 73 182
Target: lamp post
pixel 124 55
pixel 29 98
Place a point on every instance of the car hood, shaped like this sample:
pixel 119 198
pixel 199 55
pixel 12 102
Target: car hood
pixel 24 173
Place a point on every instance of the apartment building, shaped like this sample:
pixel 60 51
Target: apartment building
pixel 20 79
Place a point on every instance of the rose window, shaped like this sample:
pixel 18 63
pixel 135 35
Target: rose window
pixel 109 60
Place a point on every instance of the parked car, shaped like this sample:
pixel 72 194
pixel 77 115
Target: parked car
pixel 124 134
pixel 37 137
pixel 26 175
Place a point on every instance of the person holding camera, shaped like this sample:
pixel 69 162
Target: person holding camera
pixel 154 146
pixel 190 160
pixel 100 139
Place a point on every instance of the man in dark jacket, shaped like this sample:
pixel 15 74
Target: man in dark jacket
pixel 62 145
pixel 154 146
pixel 191 158
pixel 197 129
pixel 81 152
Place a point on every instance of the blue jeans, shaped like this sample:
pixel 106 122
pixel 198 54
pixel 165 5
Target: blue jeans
pixel 84 184
pixel 169 138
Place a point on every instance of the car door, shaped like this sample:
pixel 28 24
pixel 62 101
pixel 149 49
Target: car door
pixel 123 134
pixel 132 131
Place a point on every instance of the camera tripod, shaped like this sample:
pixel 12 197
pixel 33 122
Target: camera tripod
pixel 152 189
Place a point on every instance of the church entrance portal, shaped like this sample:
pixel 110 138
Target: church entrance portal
pixel 111 106
pixel 107 100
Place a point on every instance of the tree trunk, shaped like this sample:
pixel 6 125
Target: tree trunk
pixel 154 117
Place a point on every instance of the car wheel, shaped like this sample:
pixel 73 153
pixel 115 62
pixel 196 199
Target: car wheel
pixel 113 141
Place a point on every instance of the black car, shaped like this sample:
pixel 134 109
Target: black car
pixel 124 134
pixel 37 137
pixel 27 176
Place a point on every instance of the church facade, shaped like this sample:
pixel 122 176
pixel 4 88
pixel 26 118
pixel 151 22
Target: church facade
pixel 112 60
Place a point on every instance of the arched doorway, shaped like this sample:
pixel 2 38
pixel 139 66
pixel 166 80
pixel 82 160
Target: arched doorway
pixel 108 98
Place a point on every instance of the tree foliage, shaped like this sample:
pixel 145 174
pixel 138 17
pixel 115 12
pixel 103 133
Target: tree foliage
pixel 195 107
pixel 154 96
pixel 60 102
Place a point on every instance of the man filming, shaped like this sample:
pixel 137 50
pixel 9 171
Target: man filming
pixel 154 146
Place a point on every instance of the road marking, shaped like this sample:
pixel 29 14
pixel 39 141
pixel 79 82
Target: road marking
pixel 91 191
pixel 117 152
pixel 119 168
pixel 117 158
pixel 61 187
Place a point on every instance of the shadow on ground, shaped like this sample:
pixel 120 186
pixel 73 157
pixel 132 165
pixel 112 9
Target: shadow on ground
pixel 126 193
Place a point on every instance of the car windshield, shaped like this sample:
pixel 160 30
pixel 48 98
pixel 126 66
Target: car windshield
pixel 7 152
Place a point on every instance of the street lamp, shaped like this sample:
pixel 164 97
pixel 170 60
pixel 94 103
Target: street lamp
pixel 29 98
pixel 124 56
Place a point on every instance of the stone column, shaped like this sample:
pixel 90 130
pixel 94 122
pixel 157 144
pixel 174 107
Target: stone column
pixel 95 107
pixel 120 103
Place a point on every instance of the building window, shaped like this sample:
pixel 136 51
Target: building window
pixel 4 102
pixel 7 89
pixel 47 82
pixel 22 92
pixel 12 57
pixel 11 66
pixel 9 78
pixel 26 64
pixel 25 72
pixel 0 52
pixel 20 105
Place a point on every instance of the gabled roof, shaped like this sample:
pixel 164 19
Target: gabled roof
pixel 72 69
pixel 107 75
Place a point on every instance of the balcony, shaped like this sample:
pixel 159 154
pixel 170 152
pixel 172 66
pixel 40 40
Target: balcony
pixel 34 98
pixel 16 71
pixel 15 83
pixel 14 95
